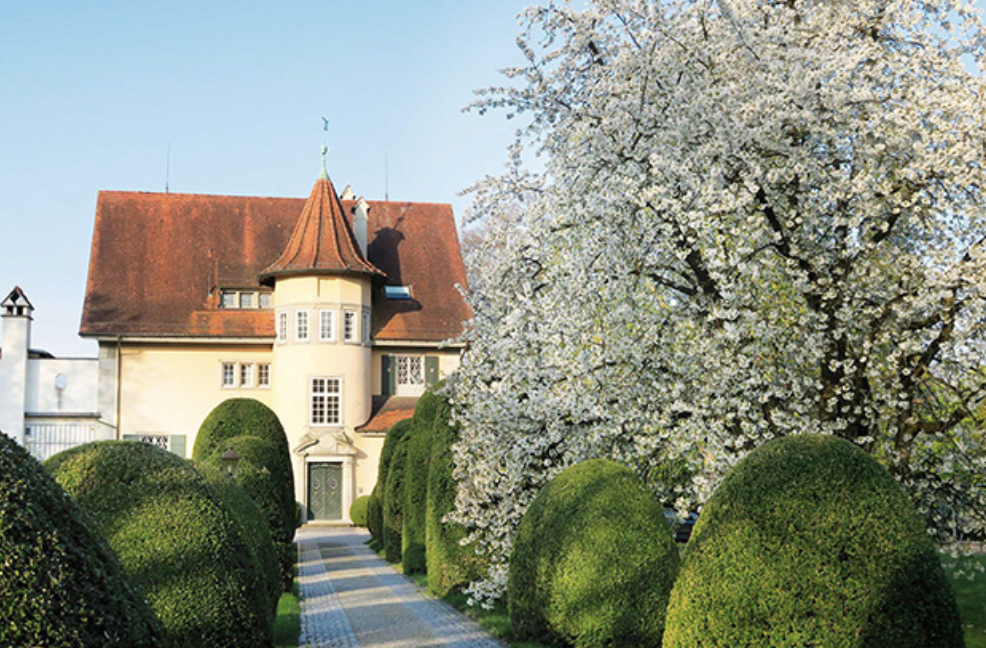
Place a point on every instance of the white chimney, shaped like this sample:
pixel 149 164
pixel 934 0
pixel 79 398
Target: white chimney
pixel 361 213
pixel 347 193
pixel 16 312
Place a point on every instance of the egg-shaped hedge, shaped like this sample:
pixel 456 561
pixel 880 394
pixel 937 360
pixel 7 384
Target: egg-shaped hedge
pixel 374 514
pixel 450 565
pixel 358 510
pixel 391 504
pixel 60 583
pixel 253 527
pixel 593 561
pixel 416 484
pixel 809 541
pixel 264 473
pixel 236 417
pixel 177 541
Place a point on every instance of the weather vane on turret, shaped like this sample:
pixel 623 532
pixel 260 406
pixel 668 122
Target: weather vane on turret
pixel 325 146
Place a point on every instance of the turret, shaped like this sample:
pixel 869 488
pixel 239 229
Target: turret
pixel 321 361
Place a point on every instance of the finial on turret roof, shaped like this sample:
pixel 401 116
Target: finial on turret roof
pixel 324 174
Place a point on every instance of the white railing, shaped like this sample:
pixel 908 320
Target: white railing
pixel 46 439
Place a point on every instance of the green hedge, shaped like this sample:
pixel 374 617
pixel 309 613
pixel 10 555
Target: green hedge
pixel 253 528
pixel 238 417
pixel 265 474
pixel 810 542
pixel 358 510
pixel 392 529
pixel 60 583
pixel 416 484
pixel 393 499
pixel 593 561
pixel 177 541
pixel 450 565
pixel 374 514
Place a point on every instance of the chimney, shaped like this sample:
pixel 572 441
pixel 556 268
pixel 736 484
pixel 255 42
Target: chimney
pixel 361 213
pixel 16 312
pixel 347 193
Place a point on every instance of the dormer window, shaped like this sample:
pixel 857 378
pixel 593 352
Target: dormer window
pixel 245 299
pixel 397 292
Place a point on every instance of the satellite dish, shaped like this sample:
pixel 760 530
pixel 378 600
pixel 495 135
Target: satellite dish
pixel 61 382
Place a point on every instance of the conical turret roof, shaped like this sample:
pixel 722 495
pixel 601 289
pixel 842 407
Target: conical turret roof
pixel 322 241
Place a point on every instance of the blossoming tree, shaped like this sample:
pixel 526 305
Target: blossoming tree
pixel 756 218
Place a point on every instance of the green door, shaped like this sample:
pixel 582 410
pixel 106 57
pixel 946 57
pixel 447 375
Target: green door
pixel 325 491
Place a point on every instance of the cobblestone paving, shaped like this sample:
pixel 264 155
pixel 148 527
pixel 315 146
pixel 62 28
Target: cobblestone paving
pixel 381 608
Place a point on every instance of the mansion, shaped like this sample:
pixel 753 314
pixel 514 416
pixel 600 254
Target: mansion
pixel 334 311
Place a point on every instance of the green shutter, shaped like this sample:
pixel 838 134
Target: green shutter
pixel 178 444
pixel 388 377
pixel 431 369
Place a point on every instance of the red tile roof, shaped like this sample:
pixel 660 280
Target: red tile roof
pixel 388 410
pixel 159 261
pixel 322 242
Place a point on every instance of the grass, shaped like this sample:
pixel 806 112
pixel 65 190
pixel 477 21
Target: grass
pixel 287 624
pixel 970 593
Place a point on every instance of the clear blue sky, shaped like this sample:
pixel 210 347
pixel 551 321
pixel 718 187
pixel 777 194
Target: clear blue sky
pixel 93 93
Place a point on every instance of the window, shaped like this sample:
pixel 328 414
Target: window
pixel 366 328
pixel 282 327
pixel 266 300
pixel 228 300
pixel 229 374
pixel 246 300
pixel 326 400
pixel 349 326
pixel 263 375
pixel 246 375
pixel 397 292
pixel 326 325
pixel 410 371
pixel 301 326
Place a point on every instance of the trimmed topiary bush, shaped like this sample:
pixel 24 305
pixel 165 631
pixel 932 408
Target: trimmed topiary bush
pixel 253 527
pixel 393 502
pixel 374 514
pixel 60 583
pixel 810 542
pixel 264 473
pixel 358 510
pixel 593 561
pixel 450 565
pixel 416 484
pixel 177 541
pixel 392 528
pixel 238 417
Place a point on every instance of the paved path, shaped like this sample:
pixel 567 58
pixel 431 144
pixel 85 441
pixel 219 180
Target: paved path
pixel 353 599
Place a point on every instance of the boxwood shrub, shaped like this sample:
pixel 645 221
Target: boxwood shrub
pixel 238 417
pixel 593 561
pixel 809 541
pixel 450 565
pixel 177 541
pixel 60 583
pixel 374 514
pixel 253 527
pixel 393 501
pixel 391 528
pixel 358 510
pixel 265 474
pixel 416 484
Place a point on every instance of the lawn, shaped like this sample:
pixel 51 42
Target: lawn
pixel 287 625
pixel 968 576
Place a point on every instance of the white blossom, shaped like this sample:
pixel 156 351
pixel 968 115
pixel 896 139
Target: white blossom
pixel 756 218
